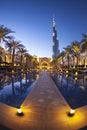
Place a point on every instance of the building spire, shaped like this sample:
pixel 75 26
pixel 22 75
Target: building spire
pixel 54 23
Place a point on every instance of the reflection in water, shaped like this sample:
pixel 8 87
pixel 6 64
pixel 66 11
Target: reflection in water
pixel 14 87
pixel 73 88
pixel 13 91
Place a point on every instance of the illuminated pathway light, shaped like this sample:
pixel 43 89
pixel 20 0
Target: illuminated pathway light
pixel 71 112
pixel 19 111
pixel 76 73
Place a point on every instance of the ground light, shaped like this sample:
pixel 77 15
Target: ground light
pixel 66 71
pixel 19 111
pixel 76 73
pixel 66 75
pixel 12 71
pixel 71 112
pixel 76 78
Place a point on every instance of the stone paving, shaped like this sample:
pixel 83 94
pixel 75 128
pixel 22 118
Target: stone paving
pixel 44 109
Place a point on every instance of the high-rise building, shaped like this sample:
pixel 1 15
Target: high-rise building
pixel 55 46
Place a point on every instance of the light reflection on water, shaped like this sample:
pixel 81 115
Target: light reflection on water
pixel 15 87
pixel 74 89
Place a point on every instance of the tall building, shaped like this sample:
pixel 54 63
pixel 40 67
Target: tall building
pixel 55 48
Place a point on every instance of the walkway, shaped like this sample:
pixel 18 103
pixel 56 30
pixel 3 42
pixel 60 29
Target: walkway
pixel 44 109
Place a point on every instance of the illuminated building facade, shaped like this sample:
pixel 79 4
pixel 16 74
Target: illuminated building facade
pixel 55 41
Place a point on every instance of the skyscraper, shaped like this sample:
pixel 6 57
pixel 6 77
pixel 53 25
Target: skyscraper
pixel 55 41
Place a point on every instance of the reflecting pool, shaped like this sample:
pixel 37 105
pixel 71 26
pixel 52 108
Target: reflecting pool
pixel 14 87
pixel 73 88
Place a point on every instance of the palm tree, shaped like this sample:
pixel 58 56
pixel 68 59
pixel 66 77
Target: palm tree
pixel 4 34
pixel 73 57
pixel 1 54
pixel 8 46
pixel 68 51
pixel 15 46
pixel 75 47
pixel 22 51
pixel 34 62
pixel 27 59
pixel 30 65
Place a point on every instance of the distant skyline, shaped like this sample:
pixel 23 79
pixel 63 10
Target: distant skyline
pixel 32 22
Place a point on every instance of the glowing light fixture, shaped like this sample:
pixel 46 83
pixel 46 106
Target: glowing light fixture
pixel 76 73
pixel 67 71
pixel 19 111
pixel 76 78
pixel 66 75
pixel 22 70
pixel 12 71
pixel 71 112
pixel 24 77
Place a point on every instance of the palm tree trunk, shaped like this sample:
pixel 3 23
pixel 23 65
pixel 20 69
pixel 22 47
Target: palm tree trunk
pixel 85 58
pixel 77 60
pixel 5 60
pixel 68 60
pixel 10 56
pixel 62 61
pixel 13 56
pixel 73 61
pixel 21 61
pixel 27 62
